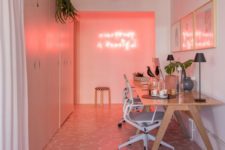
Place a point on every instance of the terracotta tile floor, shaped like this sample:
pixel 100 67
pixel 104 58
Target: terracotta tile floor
pixel 93 127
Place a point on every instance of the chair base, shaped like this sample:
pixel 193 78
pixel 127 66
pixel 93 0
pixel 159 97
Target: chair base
pixel 120 123
pixel 145 138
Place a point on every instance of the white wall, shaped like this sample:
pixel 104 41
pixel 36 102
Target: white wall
pixel 213 81
pixel 117 5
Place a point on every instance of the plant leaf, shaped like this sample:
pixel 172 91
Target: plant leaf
pixel 65 10
pixel 187 63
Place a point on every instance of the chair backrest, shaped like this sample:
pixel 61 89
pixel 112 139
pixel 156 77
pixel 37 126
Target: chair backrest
pixel 129 91
pixel 129 103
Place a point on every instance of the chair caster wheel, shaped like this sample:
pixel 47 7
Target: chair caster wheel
pixel 124 121
pixel 119 125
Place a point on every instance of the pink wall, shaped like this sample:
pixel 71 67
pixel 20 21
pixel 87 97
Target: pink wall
pixel 212 72
pixel 105 66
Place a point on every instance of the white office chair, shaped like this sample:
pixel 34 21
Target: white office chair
pixel 136 99
pixel 143 121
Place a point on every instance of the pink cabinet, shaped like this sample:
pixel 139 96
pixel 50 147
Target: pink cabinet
pixel 49 49
pixel 66 74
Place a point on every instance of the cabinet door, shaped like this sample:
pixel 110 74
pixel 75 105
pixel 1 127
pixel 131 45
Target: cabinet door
pixel 35 24
pixel 66 77
pixel 52 101
pixel 35 97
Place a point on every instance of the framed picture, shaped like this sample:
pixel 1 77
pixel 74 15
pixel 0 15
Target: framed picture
pixel 175 37
pixel 187 32
pixel 204 27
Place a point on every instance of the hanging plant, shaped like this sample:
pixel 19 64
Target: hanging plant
pixel 64 10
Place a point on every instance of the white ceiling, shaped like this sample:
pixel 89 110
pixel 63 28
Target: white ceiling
pixel 115 5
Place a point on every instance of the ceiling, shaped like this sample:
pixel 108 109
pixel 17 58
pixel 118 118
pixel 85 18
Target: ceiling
pixel 115 5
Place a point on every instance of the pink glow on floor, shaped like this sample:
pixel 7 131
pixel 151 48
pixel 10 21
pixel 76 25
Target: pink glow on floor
pixel 95 128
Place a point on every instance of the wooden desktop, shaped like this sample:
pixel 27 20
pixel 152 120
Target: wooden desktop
pixel 182 102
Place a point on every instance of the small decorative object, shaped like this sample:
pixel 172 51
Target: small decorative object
pixel 154 92
pixel 139 77
pixel 158 71
pixel 64 11
pixel 188 84
pixel 149 72
pixel 172 92
pixel 199 57
pixel 138 74
pixel 163 93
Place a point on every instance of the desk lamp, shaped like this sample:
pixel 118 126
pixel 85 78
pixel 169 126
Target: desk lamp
pixel 170 58
pixel 199 57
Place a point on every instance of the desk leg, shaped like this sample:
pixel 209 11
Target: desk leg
pixel 198 122
pixel 164 124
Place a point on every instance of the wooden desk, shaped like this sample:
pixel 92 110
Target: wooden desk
pixel 183 102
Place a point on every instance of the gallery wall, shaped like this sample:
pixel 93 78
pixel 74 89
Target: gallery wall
pixel 212 71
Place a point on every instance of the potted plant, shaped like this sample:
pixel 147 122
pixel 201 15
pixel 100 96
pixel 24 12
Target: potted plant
pixel 64 11
pixel 186 81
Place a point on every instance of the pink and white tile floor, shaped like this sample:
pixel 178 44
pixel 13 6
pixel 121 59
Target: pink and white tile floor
pixel 93 127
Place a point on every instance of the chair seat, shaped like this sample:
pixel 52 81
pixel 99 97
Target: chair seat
pixel 137 100
pixel 146 116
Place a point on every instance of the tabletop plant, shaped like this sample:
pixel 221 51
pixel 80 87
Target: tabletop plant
pixel 64 11
pixel 186 83
pixel 171 67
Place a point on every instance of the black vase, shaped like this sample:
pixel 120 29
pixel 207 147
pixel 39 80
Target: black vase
pixel 188 84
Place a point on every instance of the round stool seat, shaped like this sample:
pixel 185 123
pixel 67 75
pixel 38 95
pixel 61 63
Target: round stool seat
pixel 102 88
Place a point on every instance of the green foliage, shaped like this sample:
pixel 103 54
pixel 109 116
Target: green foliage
pixel 170 68
pixel 64 11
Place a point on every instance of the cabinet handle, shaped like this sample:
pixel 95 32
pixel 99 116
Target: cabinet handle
pixel 35 65
pixel 39 64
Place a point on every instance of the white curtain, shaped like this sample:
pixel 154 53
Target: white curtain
pixel 13 80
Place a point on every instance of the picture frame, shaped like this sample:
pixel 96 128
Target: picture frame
pixel 205 26
pixel 187 32
pixel 175 37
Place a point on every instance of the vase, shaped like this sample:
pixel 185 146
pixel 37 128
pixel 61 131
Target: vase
pixel 188 84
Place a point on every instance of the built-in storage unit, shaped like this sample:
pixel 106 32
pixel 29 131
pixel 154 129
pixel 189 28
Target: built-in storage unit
pixel 49 48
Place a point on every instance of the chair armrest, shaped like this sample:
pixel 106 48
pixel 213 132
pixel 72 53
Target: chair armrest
pixel 136 105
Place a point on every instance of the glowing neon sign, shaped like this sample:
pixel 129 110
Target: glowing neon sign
pixel 117 40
